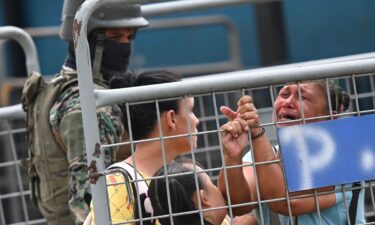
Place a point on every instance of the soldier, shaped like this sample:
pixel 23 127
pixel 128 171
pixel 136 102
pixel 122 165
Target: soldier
pixel 58 166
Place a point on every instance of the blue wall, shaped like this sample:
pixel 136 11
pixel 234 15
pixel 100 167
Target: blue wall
pixel 322 29
pixel 314 29
pixel 41 13
pixel 198 44
pixel 2 14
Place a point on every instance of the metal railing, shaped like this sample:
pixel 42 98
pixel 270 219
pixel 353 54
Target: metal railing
pixel 85 71
pixel 16 111
pixel 25 41
pixel 228 81
pixel 232 83
pixel 15 205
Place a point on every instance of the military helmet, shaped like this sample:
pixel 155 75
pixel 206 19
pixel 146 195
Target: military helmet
pixel 117 15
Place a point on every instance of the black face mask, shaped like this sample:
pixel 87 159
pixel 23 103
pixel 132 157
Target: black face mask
pixel 115 59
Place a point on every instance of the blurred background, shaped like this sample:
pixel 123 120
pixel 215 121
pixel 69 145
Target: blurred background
pixel 232 38
pixel 270 33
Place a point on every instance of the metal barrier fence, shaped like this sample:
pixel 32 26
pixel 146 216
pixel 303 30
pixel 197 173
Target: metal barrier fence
pixel 15 204
pixel 208 151
pixel 217 88
pixel 196 87
pixel 204 86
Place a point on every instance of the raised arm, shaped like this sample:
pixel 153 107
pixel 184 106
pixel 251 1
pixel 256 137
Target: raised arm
pixel 270 176
pixel 239 179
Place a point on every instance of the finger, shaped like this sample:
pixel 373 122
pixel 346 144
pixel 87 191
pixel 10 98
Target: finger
pixel 248 107
pixel 230 114
pixel 231 128
pixel 238 128
pixel 226 127
pixel 252 119
pixel 245 99
pixel 253 123
pixel 226 136
pixel 244 124
pixel 249 116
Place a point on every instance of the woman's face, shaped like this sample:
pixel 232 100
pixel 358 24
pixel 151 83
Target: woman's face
pixel 213 198
pixel 185 118
pixel 288 105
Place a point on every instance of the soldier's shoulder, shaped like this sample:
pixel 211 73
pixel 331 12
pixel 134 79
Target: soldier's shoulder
pixel 66 101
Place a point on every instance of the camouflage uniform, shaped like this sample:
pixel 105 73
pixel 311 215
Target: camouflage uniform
pixel 66 122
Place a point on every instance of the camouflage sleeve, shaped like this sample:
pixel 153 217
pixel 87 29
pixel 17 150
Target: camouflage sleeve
pixel 110 131
pixel 71 130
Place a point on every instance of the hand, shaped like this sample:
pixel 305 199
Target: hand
pixel 246 219
pixel 246 111
pixel 235 135
pixel 235 138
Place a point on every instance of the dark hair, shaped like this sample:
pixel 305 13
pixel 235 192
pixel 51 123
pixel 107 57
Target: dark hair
pixel 340 100
pixel 181 190
pixel 143 117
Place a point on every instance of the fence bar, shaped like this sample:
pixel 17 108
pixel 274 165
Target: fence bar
pixel 15 112
pixel 191 5
pixel 234 80
pixel 12 112
pixel 43 32
pixel 18 173
pixel 27 44
pixel 32 64
pixel 2 218
pixel 86 85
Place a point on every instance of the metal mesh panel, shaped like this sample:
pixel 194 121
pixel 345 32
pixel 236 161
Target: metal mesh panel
pixel 14 194
pixel 209 152
pixel 16 206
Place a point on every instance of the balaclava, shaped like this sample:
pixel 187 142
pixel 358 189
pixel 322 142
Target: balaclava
pixel 115 57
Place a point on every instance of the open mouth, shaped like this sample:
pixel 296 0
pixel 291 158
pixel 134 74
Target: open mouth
pixel 287 117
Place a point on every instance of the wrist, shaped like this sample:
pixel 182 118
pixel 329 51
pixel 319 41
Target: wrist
pixel 256 133
pixel 232 161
